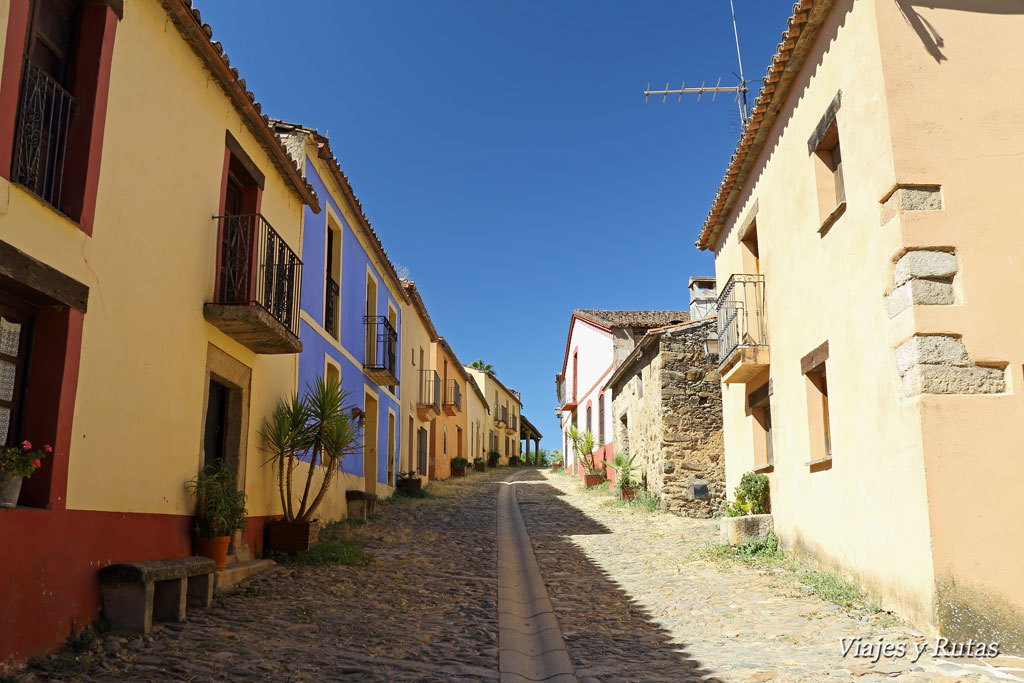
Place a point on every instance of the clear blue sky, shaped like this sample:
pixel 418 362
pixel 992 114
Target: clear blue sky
pixel 504 153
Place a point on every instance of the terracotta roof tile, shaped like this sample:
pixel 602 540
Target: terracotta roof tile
pixel 611 318
pixel 791 51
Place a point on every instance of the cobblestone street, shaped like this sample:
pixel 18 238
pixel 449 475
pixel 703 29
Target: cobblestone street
pixel 632 599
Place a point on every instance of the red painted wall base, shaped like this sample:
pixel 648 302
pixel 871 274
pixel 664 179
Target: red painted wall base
pixel 51 563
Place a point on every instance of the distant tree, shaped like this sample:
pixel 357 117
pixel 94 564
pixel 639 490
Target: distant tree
pixel 479 364
pixel 546 457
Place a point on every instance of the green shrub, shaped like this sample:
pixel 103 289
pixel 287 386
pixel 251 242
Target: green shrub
pixel 767 546
pixel 220 506
pixel 751 496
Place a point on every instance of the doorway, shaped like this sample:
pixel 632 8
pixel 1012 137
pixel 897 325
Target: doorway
pixel 370 444
pixel 216 427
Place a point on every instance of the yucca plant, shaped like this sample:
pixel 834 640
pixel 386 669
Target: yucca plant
pixel 583 444
pixel 317 428
pixel 624 471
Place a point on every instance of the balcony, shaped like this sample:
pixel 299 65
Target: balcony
pixel 565 404
pixel 742 333
pixel 512 426
pixel 258 281
pixel 452 401
pixel 380 363
pixel 428 405
pixel 331 290
pixel 41 135
pixel 500 417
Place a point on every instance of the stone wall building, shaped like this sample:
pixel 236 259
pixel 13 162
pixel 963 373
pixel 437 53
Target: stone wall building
pixel 667 411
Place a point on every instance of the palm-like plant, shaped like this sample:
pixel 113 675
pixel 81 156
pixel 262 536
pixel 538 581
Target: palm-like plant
pixel 624 471
pixel 317 426
pixel 479 364
pixel 583 444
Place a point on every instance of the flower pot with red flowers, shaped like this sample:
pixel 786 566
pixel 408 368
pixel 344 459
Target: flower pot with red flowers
pixel 18 463
pixel 311 433
pixel 459 466
pixel 220 510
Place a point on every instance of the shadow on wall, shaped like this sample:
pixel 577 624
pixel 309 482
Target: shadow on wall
pixel 607 633
pixel 930 37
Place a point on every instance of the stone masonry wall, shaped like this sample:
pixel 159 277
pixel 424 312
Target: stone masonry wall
pixel 675 429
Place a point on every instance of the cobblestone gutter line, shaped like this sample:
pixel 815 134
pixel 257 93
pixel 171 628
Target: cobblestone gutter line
pixel 530 644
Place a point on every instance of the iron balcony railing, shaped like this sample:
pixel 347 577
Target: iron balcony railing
pixel 41 134
pixel 513 424
pixel 257 268
pixel 381 344
pixel 331 306
pixel 430 389
pixel 452 394
pixel 560 390
pixel 741 314
pixel 500 416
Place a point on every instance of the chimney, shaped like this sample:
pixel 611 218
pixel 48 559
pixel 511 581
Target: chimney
pixel 703 294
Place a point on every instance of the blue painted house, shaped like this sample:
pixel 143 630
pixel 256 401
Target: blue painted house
pixel 350 317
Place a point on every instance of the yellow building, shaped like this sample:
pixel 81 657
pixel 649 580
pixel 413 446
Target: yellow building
pixel 421 395
pixel 865 249
pixel 501 430
pixel 478 420
pixel 162 336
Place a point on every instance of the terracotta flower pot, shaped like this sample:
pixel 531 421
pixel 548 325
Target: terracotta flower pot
pixel 513 462
pixel 479 466
pixel 458 471
pixel 592 480
pixel 411 484
pixel 627 492
pixel 214 548
pixel 292 537
pixel 10 488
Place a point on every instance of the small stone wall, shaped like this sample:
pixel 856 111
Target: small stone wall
pixel 675 428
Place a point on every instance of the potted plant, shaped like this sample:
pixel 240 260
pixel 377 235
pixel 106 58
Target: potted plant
pixel 313 432
pixel 17 463
pixel 513 461
pixel 556 465
pixel 220 510
pixel 583 443
pixel 478 463
pixel 624 478
pixel 410 481
pixel 459 466
pixel 493 456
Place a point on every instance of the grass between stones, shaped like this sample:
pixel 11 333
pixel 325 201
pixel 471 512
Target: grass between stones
pixel 765 555
pixel 340 543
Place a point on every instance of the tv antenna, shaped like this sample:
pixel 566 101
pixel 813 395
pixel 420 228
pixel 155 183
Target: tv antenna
pixel 740 90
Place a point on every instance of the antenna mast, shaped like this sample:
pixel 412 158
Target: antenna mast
pixel 739 90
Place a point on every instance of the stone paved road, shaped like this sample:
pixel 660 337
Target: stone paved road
pixel 631 602
pixel 635 604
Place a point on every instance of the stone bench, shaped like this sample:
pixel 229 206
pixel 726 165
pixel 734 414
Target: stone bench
pixel 361 505
pixel 135 593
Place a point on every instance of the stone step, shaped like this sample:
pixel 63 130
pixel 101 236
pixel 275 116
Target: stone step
pixel 235 573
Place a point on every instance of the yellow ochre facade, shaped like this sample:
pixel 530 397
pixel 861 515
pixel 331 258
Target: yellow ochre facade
pixel 864 244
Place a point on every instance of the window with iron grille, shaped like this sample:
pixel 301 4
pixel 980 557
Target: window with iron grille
pixel 600 420
pixel 589 412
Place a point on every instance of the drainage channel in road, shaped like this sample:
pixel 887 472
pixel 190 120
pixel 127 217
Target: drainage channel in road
pixel 530 643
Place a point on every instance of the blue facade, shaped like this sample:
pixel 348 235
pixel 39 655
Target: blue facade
pixel 319 347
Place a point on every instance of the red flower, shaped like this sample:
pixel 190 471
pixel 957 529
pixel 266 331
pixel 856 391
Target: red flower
pixel 36 463
pixel 26 445
pixel 47 449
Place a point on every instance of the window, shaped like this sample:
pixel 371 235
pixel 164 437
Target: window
pixel 444 440
pixel 458 442
pixel 589 413
pixel 15 326
pixel 371 312
pixel 332 278
pixel 575 373
pixel 600 420
pixel 813 366
pixel 506 445
pixel 760 410
pixel 56 117
pixel 827 158
pixel 412 447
